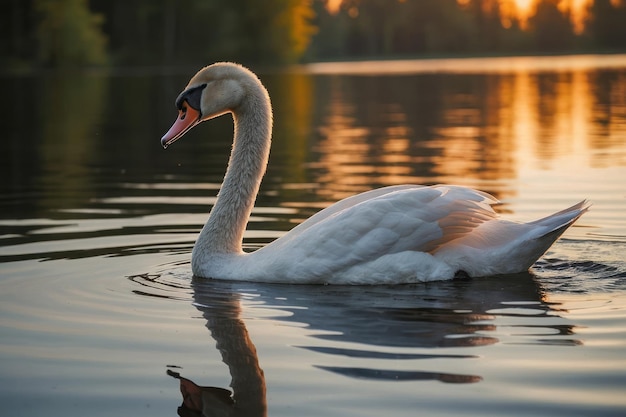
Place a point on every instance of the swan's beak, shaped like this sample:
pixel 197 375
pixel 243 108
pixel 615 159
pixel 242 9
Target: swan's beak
pixel 187 118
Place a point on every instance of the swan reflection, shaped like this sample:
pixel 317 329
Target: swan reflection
pixel 369 326
pixel 202 401
pixel 222 311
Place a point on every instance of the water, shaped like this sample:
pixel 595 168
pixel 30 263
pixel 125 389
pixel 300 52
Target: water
pixel 97 222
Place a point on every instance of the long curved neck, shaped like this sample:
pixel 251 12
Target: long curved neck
pixel 223 232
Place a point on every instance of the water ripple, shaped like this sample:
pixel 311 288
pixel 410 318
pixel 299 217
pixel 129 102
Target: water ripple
pixel 396 375
pixel 172 284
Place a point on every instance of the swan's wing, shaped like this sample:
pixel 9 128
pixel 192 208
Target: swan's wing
pixel 349 202
pixel 391 221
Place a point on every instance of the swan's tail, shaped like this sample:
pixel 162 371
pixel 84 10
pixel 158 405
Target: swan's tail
pixel 555 224
pixel 548 229
pixel 504 247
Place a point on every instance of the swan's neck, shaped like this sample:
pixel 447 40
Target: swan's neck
pixel 223 232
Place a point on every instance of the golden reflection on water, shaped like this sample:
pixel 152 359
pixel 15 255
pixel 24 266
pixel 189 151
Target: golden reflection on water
pixel 291 95
pixel 473 129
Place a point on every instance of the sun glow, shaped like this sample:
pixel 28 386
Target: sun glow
pixel 333 5
pixel 521 10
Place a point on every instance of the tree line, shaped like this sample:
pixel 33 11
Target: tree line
pixel 432 27
pixel 51 33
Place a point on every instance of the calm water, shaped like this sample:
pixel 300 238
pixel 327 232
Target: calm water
pixel 97 223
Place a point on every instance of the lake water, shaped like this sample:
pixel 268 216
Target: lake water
pixel 97 302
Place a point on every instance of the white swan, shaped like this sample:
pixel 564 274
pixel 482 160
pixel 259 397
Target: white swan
pixel 397 234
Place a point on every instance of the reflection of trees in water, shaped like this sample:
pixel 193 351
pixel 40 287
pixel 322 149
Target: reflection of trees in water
pixel 469 128
pixel 52 122
pixel 607 117
pixel 414 128
pixel 454 314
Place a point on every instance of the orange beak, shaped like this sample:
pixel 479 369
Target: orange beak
pixel 187 118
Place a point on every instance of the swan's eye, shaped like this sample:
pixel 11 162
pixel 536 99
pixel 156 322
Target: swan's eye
pixel 190 98
pixel 194 97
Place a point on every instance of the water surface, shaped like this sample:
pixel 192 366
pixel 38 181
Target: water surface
pixel 97 223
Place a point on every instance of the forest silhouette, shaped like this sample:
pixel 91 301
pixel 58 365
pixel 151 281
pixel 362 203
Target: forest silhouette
pixel 74 33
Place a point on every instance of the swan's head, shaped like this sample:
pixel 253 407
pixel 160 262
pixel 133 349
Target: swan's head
pixel 215 90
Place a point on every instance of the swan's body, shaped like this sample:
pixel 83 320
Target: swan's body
pixel 397 234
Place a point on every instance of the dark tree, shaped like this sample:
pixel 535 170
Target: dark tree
pixel 607 24
pixel 552 29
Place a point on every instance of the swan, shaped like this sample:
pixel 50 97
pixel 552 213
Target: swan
pixel 396 234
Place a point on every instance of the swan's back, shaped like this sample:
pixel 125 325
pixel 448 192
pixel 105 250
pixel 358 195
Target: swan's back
pixel 407 234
